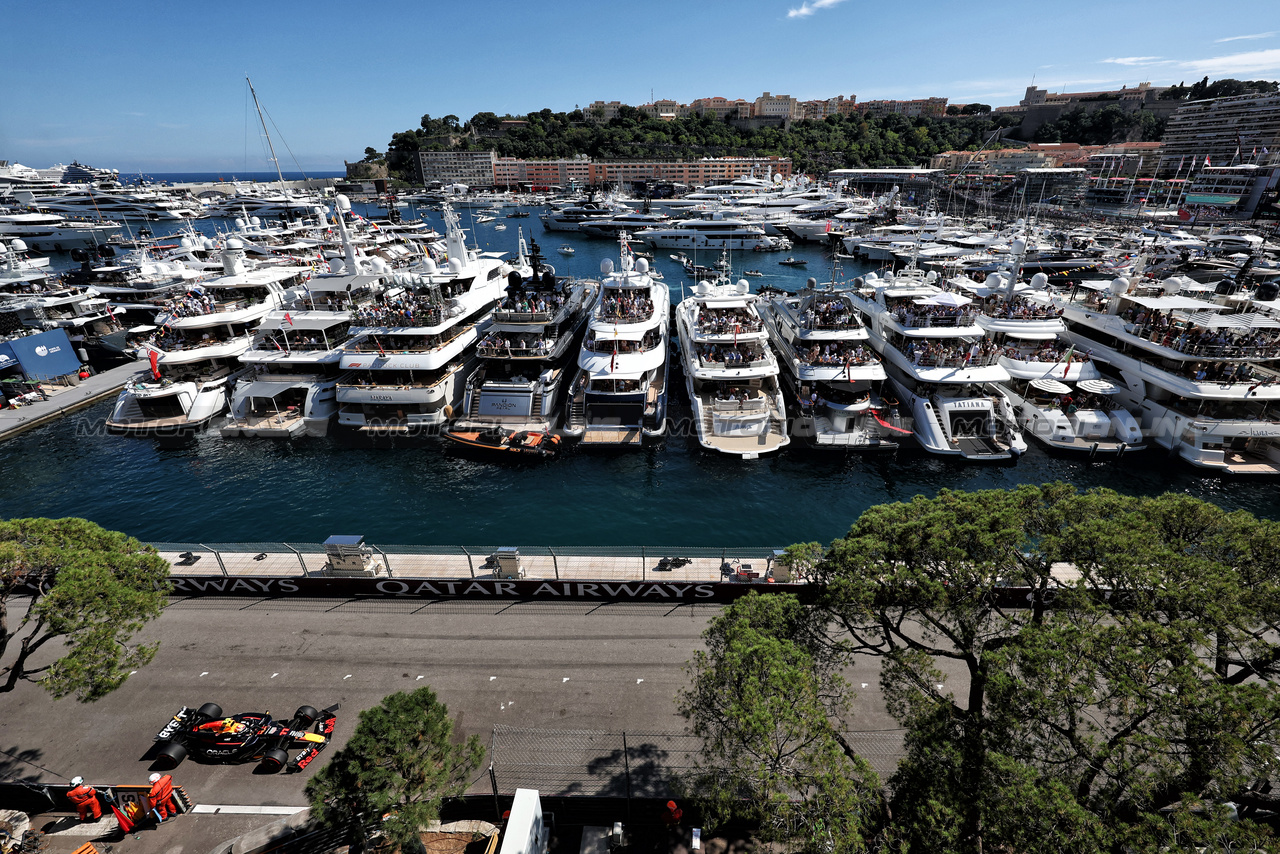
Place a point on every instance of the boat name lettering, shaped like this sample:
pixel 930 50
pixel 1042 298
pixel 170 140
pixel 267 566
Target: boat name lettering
pixel 381 397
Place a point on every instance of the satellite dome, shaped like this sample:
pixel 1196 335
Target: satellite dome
pixel 255 221
pixel 811 283
pixel 1119 285
pixel 931 276
pixel 993 281
pixel 185 243
pixel 642 265
pixel 1018 246
pixel 239 221
pixel 871 277
pixel 1039 282
pixel 233 245
pixel 606 266
pixel 1171 285
pixel 342 202
pixel 337 265
pixel 702 289
pixel 742 286
pixel 18 245
pixel 455 266
pixel 429 265
pixel 380 266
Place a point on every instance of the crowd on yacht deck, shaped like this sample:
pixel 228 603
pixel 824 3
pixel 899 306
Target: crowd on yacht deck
pixel 1047 351
pixel 497 344
pixel 935 315
pixel 939 354
pixel 1020 308
pixel 626 307
pixel 1158 327
pixel 837 353
pixel 828 315
pixel 543 303
pixel 727 321
pixel 404 310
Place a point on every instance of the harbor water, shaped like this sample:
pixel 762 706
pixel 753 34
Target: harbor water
pixel 415 491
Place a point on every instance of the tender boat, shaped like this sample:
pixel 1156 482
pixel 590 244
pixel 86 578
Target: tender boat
pixel 793 262
pixel 522 442
pixel 566 249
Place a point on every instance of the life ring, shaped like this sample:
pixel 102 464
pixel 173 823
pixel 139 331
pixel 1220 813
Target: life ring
pixel 448 411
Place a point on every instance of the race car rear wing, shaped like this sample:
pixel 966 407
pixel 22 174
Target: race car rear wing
pixel 175 723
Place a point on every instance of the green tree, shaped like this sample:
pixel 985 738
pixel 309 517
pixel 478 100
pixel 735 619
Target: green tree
pixel 973 109
pixel 769 711
pixel 402 761
pixel 1099 717
pixel 86 588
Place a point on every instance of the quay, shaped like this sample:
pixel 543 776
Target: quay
pixel 63 400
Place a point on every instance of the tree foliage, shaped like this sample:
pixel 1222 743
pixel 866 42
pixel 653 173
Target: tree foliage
pixel 400 764
pixel 768 706
pixel 86 588
pixel 1092 720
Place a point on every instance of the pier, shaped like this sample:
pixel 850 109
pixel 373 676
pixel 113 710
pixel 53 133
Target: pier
pixel 63 400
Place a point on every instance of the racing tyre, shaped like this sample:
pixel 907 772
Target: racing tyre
pixel 305 716
pixel 274 760
pixel 170 754
pixel 212 711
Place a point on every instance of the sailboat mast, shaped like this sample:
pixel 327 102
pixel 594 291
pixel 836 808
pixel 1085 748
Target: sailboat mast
pixel 274 159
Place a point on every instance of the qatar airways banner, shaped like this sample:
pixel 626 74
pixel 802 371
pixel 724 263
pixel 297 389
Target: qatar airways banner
pixel 669 592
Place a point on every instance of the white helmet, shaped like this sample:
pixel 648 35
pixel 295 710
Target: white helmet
pixel 76 781
pixel 154 778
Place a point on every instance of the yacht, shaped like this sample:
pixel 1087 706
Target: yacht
pixel 53 233
pixel 515 394
pixel 941 365
pixel 730 372
pixel 102 202
pixel 294 362
pixel 262 201
pixel 630 221
pixel 619 396
pixel 571 218
pixel 1055 389
pixel 411 350
pixel 195 348
pixel 1197 369
pixel 715 233
pixel 831 371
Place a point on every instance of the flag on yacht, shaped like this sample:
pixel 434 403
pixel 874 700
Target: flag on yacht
pixel 155 364
pixel 288 319
pixel 1070 353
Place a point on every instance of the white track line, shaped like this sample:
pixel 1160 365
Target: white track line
pixel 245 809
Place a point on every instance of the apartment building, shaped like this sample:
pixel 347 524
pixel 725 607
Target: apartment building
pixel 473 168
pixel 769 106
pixel 820 109
pixel 934 107
pixel 583 171
pixel 1241 130
pixel 721 107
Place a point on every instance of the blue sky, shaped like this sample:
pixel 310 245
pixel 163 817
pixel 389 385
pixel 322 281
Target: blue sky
pixel 159 87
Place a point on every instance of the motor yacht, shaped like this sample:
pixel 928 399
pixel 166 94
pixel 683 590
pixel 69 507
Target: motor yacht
pixel 525 356
pixel 730 372
pixel 195 347
pixel 830 370
pixel 411 350
pixel 715 233
pixel 941 365
pixel 45 232
pixel 619 396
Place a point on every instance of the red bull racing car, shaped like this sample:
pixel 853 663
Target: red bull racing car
pixel 206 735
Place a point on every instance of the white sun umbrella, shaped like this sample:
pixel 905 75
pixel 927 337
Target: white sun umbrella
pixel 1098 386
pixel 946 298
pixel 1051 386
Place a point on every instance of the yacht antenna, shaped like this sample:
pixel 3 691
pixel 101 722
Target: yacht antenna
pixel 274 159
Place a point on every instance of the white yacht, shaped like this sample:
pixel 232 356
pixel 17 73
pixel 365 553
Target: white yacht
pixel 195 349
pixel 619 396
pixel 941 365
pixel 291 387
pixel 102 202
pixel 524 371
pixel 1055 389
pixel 411 350
pixel 1197 368
pixel 830 369
pixel 53 233
pixel 730 372
pixel 572 217
pixel 715 233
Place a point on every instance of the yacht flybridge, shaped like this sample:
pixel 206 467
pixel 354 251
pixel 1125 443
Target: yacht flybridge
pixel 730 372
pixel 715 233
pixel 619 396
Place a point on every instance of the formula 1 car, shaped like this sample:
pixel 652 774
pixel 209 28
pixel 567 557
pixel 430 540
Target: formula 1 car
pixel 206 735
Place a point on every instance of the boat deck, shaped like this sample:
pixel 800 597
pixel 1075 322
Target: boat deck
pixel 1238 463
pixel 279 425
pixel 64 400
pixel 612 436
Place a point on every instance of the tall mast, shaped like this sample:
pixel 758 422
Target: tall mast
pixel 274 159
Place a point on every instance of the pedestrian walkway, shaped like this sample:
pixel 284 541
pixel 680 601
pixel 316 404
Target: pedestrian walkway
pixel 65 400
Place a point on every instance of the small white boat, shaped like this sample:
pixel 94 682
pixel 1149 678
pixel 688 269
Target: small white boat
pixel 502 226
pixel 566 249
pixel 483 219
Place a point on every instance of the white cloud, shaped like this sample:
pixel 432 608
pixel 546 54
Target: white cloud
pixel 1133 60
pixel 806 9
pixel 1238 38
pixel 1251 62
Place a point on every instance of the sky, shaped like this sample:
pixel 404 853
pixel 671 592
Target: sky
pixel 160 87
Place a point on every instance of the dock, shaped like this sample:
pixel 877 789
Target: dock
pixel 63 400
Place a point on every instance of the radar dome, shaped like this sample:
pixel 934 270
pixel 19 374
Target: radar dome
pixel 1119 285
pixel 337 266
pixel 455 266
pixel 606 266
pixel 642 265
pixel 233 244
pixel 239 221
pixel 743 287
pixel 207 244
pixel 811 283
pixel 185 243
pixel 1018 246
pixel 472 256
pixel 429 265
pixel 18 245
pixel 380 266
pixel 255 221
pixel 993 281
pixel 1171 285
pixel 1039 282
pixel 871 277
pixel 931 276
pixel 702 289
pixel 342 202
